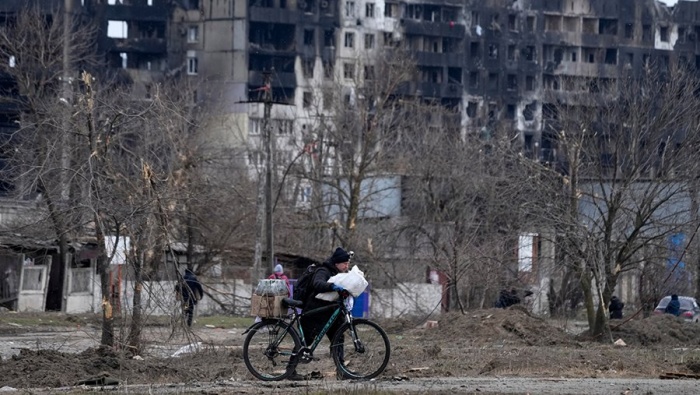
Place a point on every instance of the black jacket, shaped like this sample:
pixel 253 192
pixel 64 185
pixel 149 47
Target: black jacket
pixel 615 308
pixel 191 287
pixel 319 284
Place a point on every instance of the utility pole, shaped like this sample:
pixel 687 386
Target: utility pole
pixel 263 219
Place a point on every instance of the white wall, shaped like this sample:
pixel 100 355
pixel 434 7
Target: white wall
pixel 405 299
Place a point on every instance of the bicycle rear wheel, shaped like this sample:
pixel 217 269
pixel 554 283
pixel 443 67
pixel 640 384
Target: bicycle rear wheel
pixel 268 348
pixel 360 350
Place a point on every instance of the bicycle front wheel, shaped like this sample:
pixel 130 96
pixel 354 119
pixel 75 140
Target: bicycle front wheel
pixel 360 350
pixel 268 349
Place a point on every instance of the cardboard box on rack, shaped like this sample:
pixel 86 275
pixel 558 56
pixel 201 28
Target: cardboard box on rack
pixel 266 306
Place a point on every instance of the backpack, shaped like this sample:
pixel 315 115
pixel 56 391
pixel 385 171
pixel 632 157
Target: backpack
pixel 302 288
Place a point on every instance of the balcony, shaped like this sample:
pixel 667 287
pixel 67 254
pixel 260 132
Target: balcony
pixel 122 12
pixel 436 90
pixel 439 29
pixel 138 45
pixel 439 59
pixel 255 78
pixel 273 15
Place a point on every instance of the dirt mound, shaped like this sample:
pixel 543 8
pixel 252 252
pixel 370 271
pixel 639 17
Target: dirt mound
pixel 512 326
pixel 658 330
pixel 49 368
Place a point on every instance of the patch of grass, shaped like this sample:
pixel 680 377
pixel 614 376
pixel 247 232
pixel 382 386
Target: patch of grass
pixel 47 319
pixel 224 321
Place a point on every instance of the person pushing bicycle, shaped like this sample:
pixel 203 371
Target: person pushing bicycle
pixel 339 262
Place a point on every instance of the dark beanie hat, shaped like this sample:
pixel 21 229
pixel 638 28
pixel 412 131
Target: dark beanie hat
pixel 339 256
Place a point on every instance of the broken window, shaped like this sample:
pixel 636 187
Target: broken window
pixel 349 9
pixel 390 10
pixel 510 52
pixel 512 82
pixel 646 33
pixel 645 60
pixel 472 107
pixel 193 34
pixel 529 53
pixel 309 37
pixel 529 83
pixel 369 41
pixel 629 59
pixel 551 82
pixel 512 22
pixel 607 26
pixel 510 111
pixel 475 49
pixel 681 34
pixel 574 56
pixel 629 30
pixel 369 72
pixel 552 23
pixel 663 33
pixel 475 18
pixel 611 56
pixel 349 40
pixel 348 71
pixel 454 75
pixel 307 98
pixel 589 54
pixel 530 23
pixel 529 111
pixel 192 63
pixel 369 10
pixel 328 38
pixel 493 51
pixel 590 26
pixel 493 81
pixel 308 68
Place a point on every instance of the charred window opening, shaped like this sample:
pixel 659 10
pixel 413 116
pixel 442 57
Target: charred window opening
pixel 530 23
pixel 309 37
pixel 432 74
pixel 529 111
pixel 308 6
pixel 329 38
pixel 512 82
pixel 261 3
pixel 493 81
pixel 682 32
pixel 607 26
pixel 272 36
pixel 551 82
pixel 472 107
pixel 475 49
pixel 646 33
pixel 664 63
pixel 552 23
pixel 629 30
pixel 474 79
pixel 611 56
pixel 493 112
pixel 454 75
pixel 493 51
pixel 512 22
pixel 528 145
pixel 646 60
pixel 475 18
pixel 414 11
pixel 307 99
pixel 590 26
pixel 589 55
pixel 450 45
pixel 529 83
pixel 510 111
pixel 684 62
pixel 529 53
pixel 629 59
pixel 511 53
pixel 663 33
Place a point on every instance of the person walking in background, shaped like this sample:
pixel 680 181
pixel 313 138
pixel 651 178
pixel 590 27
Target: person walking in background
pixel 615 308
pixel 674 306
pixel 278 274
pixel 191 292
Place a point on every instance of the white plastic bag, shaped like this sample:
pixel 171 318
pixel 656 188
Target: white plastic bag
pixel 353 281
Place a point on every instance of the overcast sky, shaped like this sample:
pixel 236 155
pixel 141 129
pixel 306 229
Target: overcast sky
pixel 669 2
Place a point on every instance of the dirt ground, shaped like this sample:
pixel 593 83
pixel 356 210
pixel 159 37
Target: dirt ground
pixel 487 343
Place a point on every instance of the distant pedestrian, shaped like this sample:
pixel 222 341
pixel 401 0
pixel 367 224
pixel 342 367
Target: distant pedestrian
pixel 615 307
pixel 507 298
pixel 190 291
pixel 674 306
pixel 278 274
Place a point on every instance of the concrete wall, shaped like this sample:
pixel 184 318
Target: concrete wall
pixel 405 299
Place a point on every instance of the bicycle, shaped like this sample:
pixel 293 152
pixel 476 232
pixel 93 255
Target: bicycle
pixel 274 347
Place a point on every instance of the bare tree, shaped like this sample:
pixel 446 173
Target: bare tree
pixel 628 181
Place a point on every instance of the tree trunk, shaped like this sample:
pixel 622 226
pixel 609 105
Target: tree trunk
pixel 134 339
